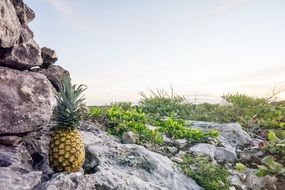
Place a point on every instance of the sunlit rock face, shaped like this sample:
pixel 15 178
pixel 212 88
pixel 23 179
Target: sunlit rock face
pixel 10 26
pixel 26 97
pixel 26 101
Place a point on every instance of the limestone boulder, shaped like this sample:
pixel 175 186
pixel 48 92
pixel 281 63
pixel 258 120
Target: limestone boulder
pixel 23 11
pixel 26 101
pixel 231 134
pixel 10 26
pixel 22 56
pixel 49 57
pixel 219 154
pixel 54 74
pixel 16 169
pixel 26 34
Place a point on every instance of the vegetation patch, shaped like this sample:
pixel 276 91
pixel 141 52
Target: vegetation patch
pixel 206 174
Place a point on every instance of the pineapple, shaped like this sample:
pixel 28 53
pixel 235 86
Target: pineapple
pixel 66 148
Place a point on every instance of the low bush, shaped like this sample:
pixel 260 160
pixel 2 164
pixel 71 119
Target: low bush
pixel 206 174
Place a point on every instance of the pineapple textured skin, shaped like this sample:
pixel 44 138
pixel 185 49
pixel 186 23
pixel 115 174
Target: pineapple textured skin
pixel 66 150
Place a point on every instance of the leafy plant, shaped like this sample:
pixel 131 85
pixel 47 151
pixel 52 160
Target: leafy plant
pixel 206 174
pixel 176 128
pixel 276 146
pixel 270 167
pixel 240 167
pixel 264 113
pixel 274 162
pixel 134 120
pixel 95 112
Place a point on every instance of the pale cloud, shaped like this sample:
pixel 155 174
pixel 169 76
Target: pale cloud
pixel 223 7
pixel 61 7
pixel 228 5
pixel 68 12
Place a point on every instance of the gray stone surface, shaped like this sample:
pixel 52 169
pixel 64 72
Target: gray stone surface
pixel 49 57
pixel 130 138
pixel 219 154
pixel 24 12
pixel 230 133
pixel 121 166
pixel 9 25
pixel 26 34
pixel 22 56
pixel 16 169
pixel 54 74
pixel 26 101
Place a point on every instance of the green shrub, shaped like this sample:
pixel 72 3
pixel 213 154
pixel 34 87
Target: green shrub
pixel 134 120
pixel 240 167
pixel 177 129
pixel 260 110
pixel 212 113
pixel 160 104
pixel 270 167
pixel 95 112
pixel 206 174
pixel 274 162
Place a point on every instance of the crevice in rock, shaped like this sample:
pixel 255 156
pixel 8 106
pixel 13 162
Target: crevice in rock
pixel 101 187
pixel 4 52
pixel 14 65
pixel 37 160
pixel 5 163
pixel 90 164
pixel 14 134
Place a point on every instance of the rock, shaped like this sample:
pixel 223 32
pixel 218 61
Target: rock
pixel 16 169
pixel 248 180
pixel 224 154
pixel 26 101
pixel 181 143
pixel 269 182
pixel 151 127
pixel 231 133
pixel 130 138
pixel 181 154
pixel 15 180
pixel 36 143
pixel 252 181
pixel 172 150
pixel 26 34
pixel 177 160
pixel 121 166
pixel 49 57
pixel 203 149
pixel 71 181
pixel 22 56
pixel 219 154
pixel 54 74
pixel 167 141
pixel 236 182
pixel 24 13
pixel 10 26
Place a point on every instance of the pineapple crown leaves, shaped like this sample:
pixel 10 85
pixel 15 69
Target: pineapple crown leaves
pixel 69 104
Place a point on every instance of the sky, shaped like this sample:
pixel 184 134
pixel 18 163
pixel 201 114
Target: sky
pixel 202 48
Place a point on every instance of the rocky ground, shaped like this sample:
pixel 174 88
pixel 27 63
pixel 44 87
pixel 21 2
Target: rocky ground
pixel 28 80
pixel 111 164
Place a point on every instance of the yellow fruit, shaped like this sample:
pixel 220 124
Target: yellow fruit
pixel 66 148
pixel 66 154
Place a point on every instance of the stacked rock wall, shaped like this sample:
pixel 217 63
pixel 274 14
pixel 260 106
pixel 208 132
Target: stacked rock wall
pixel 28 76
